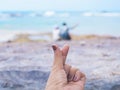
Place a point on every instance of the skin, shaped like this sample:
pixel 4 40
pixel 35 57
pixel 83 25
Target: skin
pixel 64 76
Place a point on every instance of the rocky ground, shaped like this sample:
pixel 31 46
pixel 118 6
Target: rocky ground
pixel 26 66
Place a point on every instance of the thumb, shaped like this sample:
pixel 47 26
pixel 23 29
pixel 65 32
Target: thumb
pixel 58 58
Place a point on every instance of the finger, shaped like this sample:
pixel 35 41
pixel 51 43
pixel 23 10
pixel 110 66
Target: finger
pixel 58 58
pixel 83 77
pixel 65 50
pixel 67 68
pixel 71 74
pixel 79 76
pixel 81 81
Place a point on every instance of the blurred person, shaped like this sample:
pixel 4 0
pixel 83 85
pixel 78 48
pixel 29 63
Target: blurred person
pixel 64 32
pixel 56 34
pixel 64 76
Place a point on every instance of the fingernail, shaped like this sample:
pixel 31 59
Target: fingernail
pixel 54 47
pixel 75 78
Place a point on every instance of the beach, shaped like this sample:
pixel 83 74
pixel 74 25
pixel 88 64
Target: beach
pixel 25 64
pixel 29 28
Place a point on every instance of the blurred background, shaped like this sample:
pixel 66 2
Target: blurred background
pixel 27 31
pixel 100 17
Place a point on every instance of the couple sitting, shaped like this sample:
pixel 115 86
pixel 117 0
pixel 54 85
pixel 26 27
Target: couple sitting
pixel 62 33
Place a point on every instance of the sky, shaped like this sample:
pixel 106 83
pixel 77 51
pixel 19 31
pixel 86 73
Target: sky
pixel 67 5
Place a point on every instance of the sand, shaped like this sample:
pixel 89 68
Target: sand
pixel 11 35
pixel 26 66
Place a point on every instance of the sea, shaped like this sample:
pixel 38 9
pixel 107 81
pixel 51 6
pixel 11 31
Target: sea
pixel 99 22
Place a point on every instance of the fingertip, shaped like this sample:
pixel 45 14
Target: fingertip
pixel 83 77
pixel 66 45
pixel 54 47
pixel 77 76
pixel 65 49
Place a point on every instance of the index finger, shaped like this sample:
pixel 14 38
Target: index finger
pixel 58 58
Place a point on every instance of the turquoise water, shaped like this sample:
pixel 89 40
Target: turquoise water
pixel 45 21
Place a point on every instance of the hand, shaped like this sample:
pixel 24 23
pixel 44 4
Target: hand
pixel 63 76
